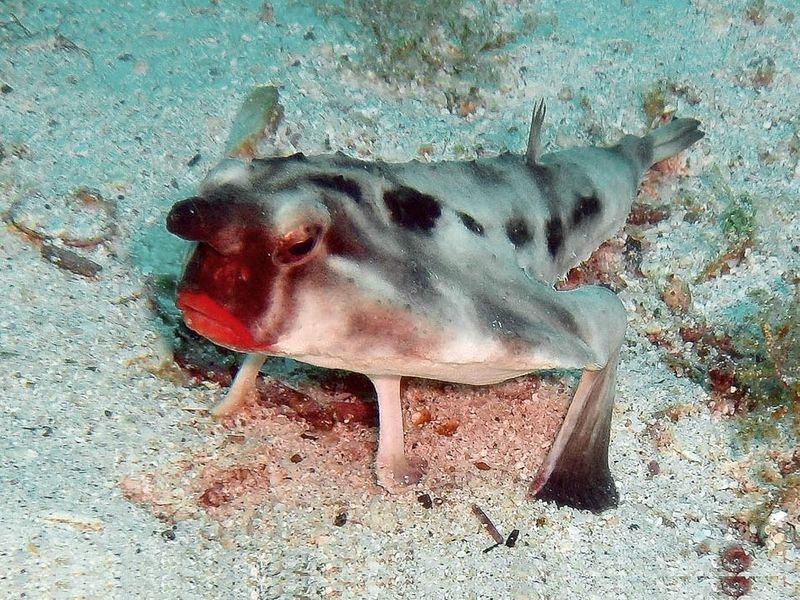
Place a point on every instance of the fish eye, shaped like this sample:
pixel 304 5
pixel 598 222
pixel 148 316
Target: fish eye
pixel 302 248
pixel 297 246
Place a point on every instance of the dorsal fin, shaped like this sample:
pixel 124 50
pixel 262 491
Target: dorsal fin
pixel 534 143
pixel 257 119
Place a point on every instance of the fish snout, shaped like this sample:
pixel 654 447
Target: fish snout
pixel 192 219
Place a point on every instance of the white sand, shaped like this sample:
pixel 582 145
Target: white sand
pixel 96 448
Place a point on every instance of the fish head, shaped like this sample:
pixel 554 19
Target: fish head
pixel 250 249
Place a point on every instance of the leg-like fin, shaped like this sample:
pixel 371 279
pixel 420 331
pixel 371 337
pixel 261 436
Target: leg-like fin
pixel 575 472
pixel 243 387
pixel 393 468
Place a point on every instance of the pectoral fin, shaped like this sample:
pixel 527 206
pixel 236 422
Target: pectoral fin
pixel 575 472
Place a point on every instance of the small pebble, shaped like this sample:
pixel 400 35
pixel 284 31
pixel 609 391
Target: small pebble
pixel 702 548
pixel 735 559
pixel 676 295
pixel 421 416
pixel 511 540
pixel 447 428
pixel 735 585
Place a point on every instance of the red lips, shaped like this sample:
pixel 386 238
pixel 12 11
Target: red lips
pixel 210 319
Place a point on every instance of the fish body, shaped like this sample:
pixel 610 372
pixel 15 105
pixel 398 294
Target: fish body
pixel 438 270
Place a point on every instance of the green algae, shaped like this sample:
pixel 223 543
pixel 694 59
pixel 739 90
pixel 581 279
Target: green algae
pixel 654 101
pixel 739 225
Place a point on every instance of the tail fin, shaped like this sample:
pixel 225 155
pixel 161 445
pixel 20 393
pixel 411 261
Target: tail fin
pixel 670 139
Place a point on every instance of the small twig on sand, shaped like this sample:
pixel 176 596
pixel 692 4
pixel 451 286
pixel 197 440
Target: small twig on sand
pixel 487 524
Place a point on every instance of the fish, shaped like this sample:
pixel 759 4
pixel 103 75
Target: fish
pixel 439 270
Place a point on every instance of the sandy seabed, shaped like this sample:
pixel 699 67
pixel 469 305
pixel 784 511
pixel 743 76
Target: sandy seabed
pixel 115 482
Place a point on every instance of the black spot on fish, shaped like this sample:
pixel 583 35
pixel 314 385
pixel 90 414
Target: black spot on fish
pixel 554 234
pixel 470 223
pixel 585 208
pixel 412 209
pixel 517 232
pixel 338 183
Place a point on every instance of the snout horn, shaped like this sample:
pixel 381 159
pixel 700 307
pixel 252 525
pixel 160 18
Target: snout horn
pixel 192 219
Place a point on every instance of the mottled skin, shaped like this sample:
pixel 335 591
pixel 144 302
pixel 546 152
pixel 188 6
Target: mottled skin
pixel 441 270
